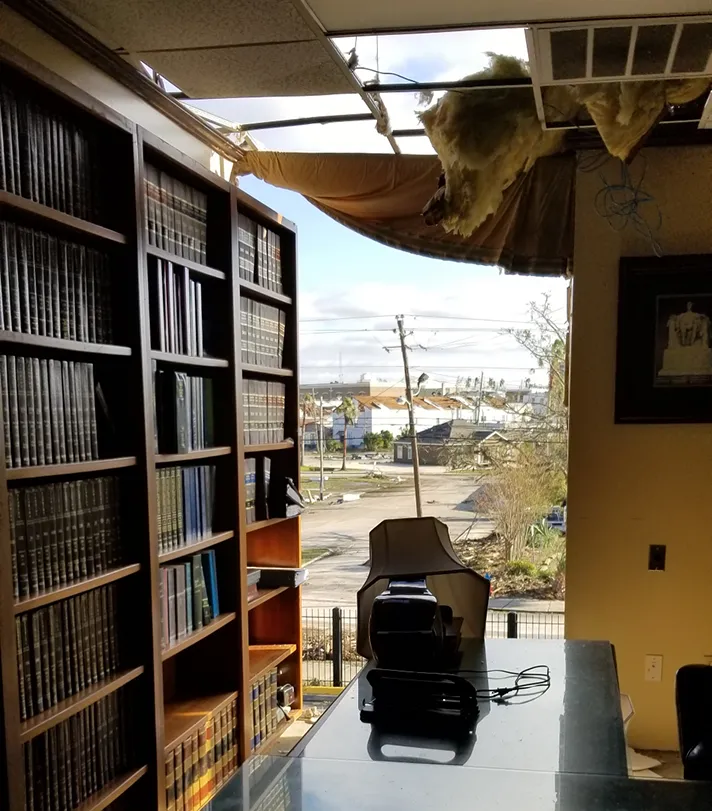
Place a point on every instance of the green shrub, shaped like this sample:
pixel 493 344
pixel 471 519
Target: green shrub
pixel 525 567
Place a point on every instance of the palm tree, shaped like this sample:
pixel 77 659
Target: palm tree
pixel 308 409
pixel 349 411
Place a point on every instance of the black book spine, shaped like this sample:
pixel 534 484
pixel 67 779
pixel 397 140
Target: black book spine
pixel 26 664
pixel 20 667
pixel 14 411
pixel 37 661
pixel 66 407
pixel 50 692
pixel 22 407
pixel 78 517
pixel 43 527
pixel 64 562
pixel 18 501
pixel 103 600
pixel 38 411
pixel 46 420
pixel 30 416
pixel 91 407
pixel 53 510
pixel 32 540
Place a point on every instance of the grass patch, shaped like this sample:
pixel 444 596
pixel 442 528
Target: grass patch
pixel 312 552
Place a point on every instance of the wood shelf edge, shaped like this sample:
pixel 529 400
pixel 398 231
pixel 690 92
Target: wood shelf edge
pixel 111 791
pixel 71 706
pixel 63 344
pixel 206 453
pixel 195 710
pixel 69 468
pixel 267 371
pixel 189 360
pixel 263 292
pixel 279 654
pixel 70 590
pixel 30 207
pixel 269 522
pixel 198 267
pixel 187 642
pixel 270 446
pixel 265 596
pixel 191 549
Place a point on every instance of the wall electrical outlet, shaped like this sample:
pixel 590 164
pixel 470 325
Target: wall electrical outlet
pixel 653 667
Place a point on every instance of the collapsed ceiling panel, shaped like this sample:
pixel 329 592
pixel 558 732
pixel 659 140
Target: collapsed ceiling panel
pixel 401 15
pixel 292 68
pixel 150 25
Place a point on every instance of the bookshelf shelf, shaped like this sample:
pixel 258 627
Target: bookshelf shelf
pixel 112 791
pixel 71 706
pixel 184 717
pixel 264 657
pixel 198 546
pixel 258 292
pixel 206 453
pixel 263 595
pixel 197 636
pixel 54 595
pixel 196 267
pixel 38 212
pixel 70 469
pixel 61 345
pixel 270 446
pixel 267 371
pixel 268 522
pixel 189 360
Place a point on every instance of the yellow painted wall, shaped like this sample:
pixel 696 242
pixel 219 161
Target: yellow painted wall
pixel 35 43
pixel 633 485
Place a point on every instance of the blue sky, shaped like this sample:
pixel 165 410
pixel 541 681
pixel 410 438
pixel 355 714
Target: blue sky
pixel 343 274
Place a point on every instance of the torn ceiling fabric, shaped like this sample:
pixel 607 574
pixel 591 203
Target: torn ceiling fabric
pixel 382 197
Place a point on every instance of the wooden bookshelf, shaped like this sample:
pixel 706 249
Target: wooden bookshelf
pixel 169 689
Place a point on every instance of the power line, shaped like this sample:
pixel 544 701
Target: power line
pixel 420 315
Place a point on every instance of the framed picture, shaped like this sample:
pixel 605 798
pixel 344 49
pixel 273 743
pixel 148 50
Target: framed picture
pixel 664 359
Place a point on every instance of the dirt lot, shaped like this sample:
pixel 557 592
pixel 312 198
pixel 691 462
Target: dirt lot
pixel 344 528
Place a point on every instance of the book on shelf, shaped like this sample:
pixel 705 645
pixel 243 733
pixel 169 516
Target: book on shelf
pixel 49 412
pixel 62 533
pixel 265 711
pixel 53 287
pixel 176 215
pixel 263 405
pixel 250 490
pixel 259 254
pixel 45 156
pixel 70 762
pixel 186 505
pixel 185 407
pixel 262 330
pixel 189 596
pixel 203 762
pixel 177 311
pixel 66 647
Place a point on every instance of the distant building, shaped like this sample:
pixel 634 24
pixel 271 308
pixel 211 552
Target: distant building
pixel 388 413
pixel 335 392
pixel 434 443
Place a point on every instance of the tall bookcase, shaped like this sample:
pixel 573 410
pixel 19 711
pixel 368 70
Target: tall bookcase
pixel 131 697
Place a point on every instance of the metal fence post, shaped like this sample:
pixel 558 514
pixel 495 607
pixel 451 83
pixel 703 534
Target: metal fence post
pixel 337 648
pixel 511 625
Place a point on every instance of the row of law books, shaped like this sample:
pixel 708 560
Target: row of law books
pixel 66 647
pixel 176 215
pixel 49 412
pixel 178 322
pixel 263 403
pixel 256 493
pixel 186 505
pixel 259 254
pixel 53 287
pixel 200 765
pixel 70 762
pixel 265 709
pixel 189 596
pixel 62 533
pixel 262 329
pixel 45 156
pixel 184 407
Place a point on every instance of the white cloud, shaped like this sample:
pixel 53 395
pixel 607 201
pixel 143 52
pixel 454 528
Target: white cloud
pixel 446 347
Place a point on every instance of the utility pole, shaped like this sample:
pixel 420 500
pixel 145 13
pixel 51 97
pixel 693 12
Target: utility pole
pixel 409 401
pixel 321 447
pixel 479 399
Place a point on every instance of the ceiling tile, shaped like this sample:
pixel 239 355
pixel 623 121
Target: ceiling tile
pixel 374 15
pixel 287 69
pixel 148 25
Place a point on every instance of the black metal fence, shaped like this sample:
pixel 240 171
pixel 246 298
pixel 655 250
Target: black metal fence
pixel 329 639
